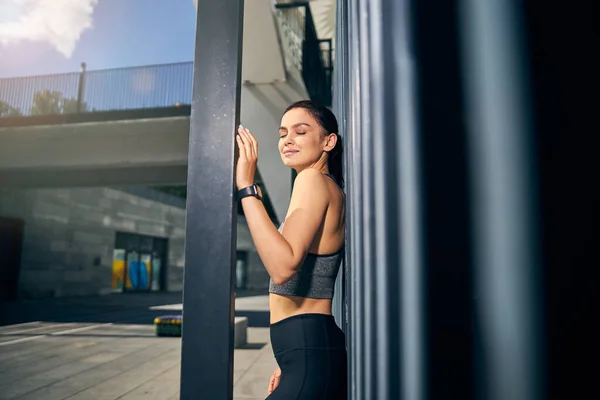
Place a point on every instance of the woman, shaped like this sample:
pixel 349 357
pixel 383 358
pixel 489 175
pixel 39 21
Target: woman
pixel 304 255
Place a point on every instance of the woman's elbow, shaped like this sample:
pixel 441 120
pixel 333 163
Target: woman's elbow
pixel 282 277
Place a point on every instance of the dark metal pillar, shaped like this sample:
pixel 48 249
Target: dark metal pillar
pixel 80 87
pixel 443 172
pixel 355 335
pixel 385 305
pixel 340 107
pixel 505 240
pixel 210 256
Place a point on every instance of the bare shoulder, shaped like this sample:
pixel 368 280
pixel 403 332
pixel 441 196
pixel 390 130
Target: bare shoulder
pixel 310 188
pixel 310 179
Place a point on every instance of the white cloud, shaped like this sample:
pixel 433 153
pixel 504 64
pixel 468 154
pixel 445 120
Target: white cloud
pixel 57 22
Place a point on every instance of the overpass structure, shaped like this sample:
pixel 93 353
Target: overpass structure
pixel 130 126
pixel 80 153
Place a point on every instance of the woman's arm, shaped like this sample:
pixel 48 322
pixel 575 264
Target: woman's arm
pixel 283 253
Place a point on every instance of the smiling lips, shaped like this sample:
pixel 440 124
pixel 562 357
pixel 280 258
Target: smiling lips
pixel 288 153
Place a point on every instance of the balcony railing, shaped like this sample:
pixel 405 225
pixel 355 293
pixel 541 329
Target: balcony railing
pixel 151 86
pixel 312 56
pixel 164 85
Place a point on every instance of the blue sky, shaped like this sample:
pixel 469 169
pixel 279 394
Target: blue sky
pixel 123 33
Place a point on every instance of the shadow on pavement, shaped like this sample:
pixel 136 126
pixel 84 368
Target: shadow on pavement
pixel 120 308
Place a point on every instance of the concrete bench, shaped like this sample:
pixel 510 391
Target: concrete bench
pixel 240 337
pixel 170 325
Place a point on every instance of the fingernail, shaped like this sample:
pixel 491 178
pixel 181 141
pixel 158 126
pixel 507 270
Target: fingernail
pixel 241 127
pixel 238 136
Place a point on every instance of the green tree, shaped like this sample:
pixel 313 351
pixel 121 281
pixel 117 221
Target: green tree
pixel 46 102
pixel 6 110
pixel 69 106
pixel 52 102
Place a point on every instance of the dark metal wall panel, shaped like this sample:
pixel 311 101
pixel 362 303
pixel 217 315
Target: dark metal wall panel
pixel 505 240
pixel 466 172
pixel 355 339
pixel 563 81
pixel 409 194
pixel 208 299
pixel 340 104
pixel 447 264
pixel 383 219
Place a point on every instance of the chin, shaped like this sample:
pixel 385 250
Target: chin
pixel 288 163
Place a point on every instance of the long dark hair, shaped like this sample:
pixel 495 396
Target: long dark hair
pixel 328 122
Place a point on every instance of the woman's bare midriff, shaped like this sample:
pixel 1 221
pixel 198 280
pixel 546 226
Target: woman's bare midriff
pixel 282 307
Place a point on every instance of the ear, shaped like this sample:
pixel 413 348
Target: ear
pixel 330 142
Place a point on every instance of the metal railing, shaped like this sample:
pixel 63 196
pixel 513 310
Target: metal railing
pixel 163 85
pixel 312 56
pixel 152 86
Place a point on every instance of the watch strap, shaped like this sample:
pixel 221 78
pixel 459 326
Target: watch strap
pixel 248 191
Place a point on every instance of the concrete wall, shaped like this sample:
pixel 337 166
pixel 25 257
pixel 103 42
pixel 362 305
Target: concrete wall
pixel 70 234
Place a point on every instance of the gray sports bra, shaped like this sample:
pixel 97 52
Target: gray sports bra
pixel 316 277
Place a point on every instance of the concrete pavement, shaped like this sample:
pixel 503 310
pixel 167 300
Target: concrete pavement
pixel 105 348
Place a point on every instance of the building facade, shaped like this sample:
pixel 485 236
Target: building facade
pixel 98 241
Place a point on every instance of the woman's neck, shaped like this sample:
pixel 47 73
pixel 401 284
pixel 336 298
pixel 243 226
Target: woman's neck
pixel 320 166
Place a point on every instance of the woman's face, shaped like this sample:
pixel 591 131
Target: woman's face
pixel 301 139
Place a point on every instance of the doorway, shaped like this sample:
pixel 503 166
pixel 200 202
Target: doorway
pixel 11 243
pixel 138 263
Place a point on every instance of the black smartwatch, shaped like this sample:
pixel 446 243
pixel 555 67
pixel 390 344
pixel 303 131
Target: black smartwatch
pixel 253 190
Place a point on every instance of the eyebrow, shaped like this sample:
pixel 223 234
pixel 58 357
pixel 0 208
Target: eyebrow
pixel 283 128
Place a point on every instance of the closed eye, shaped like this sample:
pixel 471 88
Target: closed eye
pixel 297 133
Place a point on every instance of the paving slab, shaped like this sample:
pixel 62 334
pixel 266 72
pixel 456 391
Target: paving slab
pixel 124 383
pixel 106 349
pixel 161 388
pixel 255 380
pixel 34 369
pixel 82 381
pixel 31 364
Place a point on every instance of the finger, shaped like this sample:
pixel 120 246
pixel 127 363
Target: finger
pixel 252 139
pixel 244 140
pixel 254 143
pixel 247 143
pixel 242 148
pixel 270 389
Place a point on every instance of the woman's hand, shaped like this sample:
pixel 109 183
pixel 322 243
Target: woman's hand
pixel 248 158
pixel 274 382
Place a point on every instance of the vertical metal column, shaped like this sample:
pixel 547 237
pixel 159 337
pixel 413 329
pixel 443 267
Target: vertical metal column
pixel 385 327
pixel 408 200
pixel 210 251
pixel 340 107
pixel 80 87
pixel 501 154
pixel 354 260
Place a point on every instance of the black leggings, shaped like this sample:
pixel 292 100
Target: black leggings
pixel 310 350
